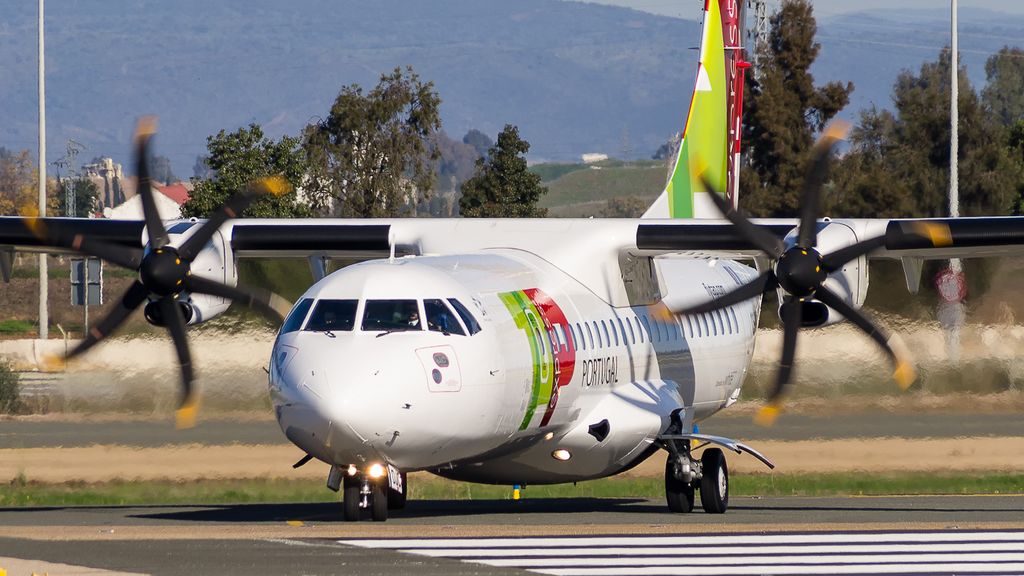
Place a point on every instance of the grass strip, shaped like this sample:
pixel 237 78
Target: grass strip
pixel 22 493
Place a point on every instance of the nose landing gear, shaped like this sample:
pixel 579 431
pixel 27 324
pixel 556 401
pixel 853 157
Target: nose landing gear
pixel 373 491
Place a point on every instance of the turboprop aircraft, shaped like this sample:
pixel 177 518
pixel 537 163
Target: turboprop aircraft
pixel 532 351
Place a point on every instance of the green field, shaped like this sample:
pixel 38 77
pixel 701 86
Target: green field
pixel 23 493
pixel 582 190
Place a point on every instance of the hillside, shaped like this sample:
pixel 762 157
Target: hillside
pixel 575 77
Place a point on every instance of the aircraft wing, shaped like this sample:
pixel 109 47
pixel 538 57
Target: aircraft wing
pixel 355 238
pixel 921 238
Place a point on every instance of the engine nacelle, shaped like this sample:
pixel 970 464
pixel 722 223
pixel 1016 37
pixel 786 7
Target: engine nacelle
pixel 850 282
pixel 215 262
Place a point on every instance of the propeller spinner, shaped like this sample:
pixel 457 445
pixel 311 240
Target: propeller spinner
pixel 800 271
pixel 165 270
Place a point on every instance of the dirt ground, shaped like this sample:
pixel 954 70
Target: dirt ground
pixel 105 463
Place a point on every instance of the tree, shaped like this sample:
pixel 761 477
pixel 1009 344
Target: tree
pixel 18 182
pixel 626 207
pixel 86 194
pixel 242 156
pixel 160 170
pixel 373 153
pixel 201 168
pixel 479 141
pixel 1004 73
pixel 783 111
pixel 503 186
pixel 456 162
pixel 899 163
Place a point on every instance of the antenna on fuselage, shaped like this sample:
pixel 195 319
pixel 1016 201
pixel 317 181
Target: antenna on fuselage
pixel 391 243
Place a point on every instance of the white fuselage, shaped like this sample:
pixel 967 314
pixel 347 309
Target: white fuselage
pixel 551 366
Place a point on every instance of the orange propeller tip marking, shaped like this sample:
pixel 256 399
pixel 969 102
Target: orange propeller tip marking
pixel 939 234
pixel 52 363
pixel 185 417
pixel 905 375
pixel 768 414
pixel 146 126
pixel 836 130
pixel 275 185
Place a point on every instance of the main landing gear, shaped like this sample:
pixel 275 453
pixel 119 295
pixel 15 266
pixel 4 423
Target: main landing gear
pixel 710 475
pixel 377 489
pixel 684 476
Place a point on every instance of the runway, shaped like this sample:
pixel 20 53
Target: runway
pixel 309 538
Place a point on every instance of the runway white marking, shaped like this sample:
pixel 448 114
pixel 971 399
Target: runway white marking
pixel 942 552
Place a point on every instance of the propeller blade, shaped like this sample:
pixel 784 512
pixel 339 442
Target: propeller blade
pixel 185 415
pixel 123 256
pixel 763 240
pixel 810 197
pixel 839 258
pixel 131 300
pixel 274 185
pixel 752 289
pixel 263 301
pixel 145 130
pixel 792 314
pixel 904 373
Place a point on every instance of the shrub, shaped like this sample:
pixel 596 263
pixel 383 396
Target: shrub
pixel 9 389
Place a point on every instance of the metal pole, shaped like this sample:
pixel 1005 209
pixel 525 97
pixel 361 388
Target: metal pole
pixel 85 282
pixel 44 316
pixel 954 124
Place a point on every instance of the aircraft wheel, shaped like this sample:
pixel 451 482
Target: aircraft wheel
pixel 678 493
pixel 396 499
pixel 714 484
pixel 378 501
pixel 351 497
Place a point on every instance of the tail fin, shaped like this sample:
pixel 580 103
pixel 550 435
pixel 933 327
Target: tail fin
pixel 711 135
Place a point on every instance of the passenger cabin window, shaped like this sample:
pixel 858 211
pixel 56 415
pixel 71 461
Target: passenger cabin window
pixel 294 320
pixel 440 318
pixel 391 316
pixel 332 316
pixel 467 318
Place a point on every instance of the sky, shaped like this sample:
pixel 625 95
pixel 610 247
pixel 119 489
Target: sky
pixel 823 8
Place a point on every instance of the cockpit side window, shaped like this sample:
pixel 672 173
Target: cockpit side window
pixel 440 318
pixel 294 320
pixel 391 315
pixel 471 324
pixel 332 316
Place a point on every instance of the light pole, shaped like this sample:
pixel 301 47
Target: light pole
pixel 951 283
pixel 44 315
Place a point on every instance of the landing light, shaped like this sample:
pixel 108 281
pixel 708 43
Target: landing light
pixel 376 471
pixel 561 454
pixel 352 470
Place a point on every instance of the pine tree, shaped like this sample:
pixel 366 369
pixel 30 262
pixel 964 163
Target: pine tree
pixel 503 186
pixel 783 111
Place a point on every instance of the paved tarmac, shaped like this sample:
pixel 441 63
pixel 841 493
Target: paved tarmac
pixel 41 434
pixel 302 538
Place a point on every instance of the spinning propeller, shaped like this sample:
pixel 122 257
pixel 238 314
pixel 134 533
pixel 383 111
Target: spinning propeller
pixel 165 270
pixel 801 271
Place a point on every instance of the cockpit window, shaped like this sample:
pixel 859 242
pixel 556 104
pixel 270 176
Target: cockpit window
pixel 332 316
pixel 391 315
pixel 440 318
pixel 294 320
pixel 471 324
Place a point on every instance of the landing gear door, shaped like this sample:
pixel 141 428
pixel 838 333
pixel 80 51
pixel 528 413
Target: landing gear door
pixel 441 368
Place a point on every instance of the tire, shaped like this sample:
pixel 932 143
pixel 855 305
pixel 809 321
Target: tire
pixel 378 501
pixel 396 500
pixel 714 484
pixel 679 494
pixel 351 497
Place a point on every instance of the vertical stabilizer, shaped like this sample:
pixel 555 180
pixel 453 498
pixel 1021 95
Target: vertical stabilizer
pixel 711 134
